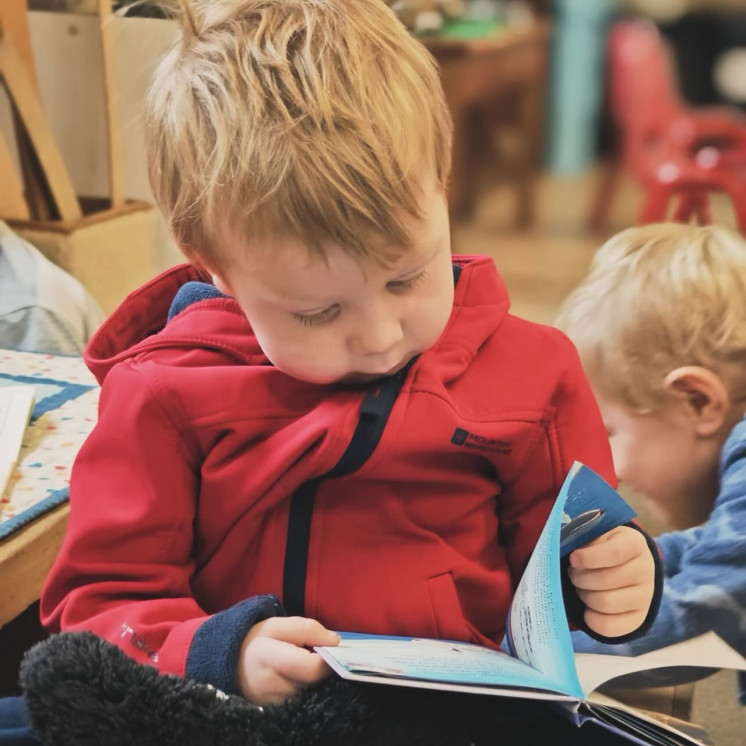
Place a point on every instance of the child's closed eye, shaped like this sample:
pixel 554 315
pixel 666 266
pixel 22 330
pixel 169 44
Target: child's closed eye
pixel 404 286
pixel 320 317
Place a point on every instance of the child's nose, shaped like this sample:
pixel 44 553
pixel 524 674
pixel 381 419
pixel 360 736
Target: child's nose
pixel 378 335
pixel 620 463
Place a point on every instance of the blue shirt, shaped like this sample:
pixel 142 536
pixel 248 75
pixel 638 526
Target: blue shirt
pixel 42 307
pixel 704 572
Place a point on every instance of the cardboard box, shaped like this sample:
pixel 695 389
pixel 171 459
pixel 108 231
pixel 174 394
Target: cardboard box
pixel 112 251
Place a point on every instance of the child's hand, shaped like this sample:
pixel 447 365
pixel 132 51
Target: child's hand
pixel 275 659
pixel 614 577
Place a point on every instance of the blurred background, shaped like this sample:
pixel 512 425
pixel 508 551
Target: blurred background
pixel 573 119
pixel 547 157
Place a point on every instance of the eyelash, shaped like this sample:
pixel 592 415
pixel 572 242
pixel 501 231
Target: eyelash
pixel 329 314
pixel 406 285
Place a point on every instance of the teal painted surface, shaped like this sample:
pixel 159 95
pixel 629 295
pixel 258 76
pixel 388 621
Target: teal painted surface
pixel 577 68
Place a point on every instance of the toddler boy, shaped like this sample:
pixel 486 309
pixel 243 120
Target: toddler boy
pixel 325 408
pixel 660 323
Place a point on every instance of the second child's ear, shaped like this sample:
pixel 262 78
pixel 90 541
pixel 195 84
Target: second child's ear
pixel 703 393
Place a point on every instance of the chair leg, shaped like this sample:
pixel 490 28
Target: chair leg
pixel 740 210
pixel 685 207
pixel 702 209
pixel 656 203
pixel 736 190
pixel 607 185
pixel 693 203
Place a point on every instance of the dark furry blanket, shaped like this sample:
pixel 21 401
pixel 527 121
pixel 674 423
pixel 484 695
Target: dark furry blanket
pixel 82 690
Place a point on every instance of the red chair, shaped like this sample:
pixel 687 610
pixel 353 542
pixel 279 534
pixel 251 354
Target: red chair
pixel 674 150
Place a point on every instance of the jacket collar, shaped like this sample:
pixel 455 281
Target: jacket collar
pixel 141 325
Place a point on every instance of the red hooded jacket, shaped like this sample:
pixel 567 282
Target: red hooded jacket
pixel 213 480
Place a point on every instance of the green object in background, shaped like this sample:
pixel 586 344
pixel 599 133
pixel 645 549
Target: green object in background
pixel 465 30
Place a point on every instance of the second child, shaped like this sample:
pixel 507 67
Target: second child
pixel 660 323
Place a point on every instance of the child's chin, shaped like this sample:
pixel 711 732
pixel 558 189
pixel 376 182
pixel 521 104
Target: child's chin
pixel 359 379
pixel 346 379
pixel 318 379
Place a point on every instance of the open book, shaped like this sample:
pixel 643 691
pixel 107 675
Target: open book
pixel 536 658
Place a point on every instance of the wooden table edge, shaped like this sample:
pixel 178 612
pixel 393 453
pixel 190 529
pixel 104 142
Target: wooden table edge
pixel 26 557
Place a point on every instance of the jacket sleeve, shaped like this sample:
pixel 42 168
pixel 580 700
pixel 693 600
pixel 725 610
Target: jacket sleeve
pixel 705 581
pixel 126 563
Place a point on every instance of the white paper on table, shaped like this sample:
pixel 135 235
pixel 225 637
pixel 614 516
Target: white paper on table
pixel 16 403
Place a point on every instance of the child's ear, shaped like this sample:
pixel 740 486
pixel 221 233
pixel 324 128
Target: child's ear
pixel 703 393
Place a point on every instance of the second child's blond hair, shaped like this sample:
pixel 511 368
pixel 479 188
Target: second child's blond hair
pixel 656 298
pixel 316 119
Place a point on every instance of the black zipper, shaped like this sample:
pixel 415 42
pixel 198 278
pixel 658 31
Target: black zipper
pixel 374 414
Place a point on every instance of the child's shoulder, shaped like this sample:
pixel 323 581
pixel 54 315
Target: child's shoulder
pixel 523 366
pixel 175 320
pixel 536 342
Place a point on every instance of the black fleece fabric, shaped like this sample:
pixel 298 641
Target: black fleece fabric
pixel 83 691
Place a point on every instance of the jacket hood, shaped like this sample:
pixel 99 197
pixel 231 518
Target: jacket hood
pixel 141 323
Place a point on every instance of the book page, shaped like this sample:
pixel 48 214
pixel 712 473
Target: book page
pixel 654 727
pixel 430 660
pixel 537 631
pixel 707 650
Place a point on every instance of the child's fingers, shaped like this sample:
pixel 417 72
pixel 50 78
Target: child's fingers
pixel 617 601
pixel 267 688
pixel 276 661
pixel 614 548
pixel 613 625
pixel 272 670
pixel 614 577
pixel 606 578
pixel 297 665
pixel 300 631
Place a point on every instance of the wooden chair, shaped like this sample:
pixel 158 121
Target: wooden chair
pixel 40 157
pixel 44 189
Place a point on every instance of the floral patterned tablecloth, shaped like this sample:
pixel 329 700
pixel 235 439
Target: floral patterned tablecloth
pixel 63 415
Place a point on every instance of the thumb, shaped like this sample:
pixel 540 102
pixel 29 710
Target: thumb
pixel 306 633
pixel 604 537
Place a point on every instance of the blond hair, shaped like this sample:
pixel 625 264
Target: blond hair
pixel 315 119
pixel 656 298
